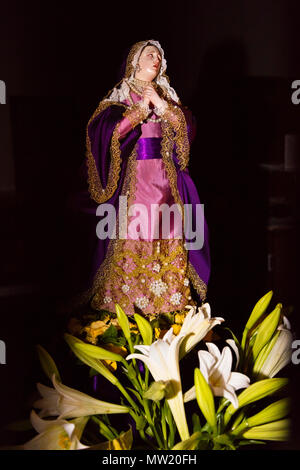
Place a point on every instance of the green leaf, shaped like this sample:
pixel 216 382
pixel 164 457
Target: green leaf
pixel 109 335
pixel 233 336
pixel 225 440
pixel 136 394
pixel 130 371
pixel 122 442
pixel 196 423
pixel 149 432
pixel 103 428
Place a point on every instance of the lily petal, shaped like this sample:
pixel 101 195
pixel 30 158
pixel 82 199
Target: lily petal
pixel 238 380
pixel 221 371
pixel 213 350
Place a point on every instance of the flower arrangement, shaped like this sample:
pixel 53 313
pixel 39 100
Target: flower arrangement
pixel 234 395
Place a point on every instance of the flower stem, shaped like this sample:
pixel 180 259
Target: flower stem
pixel 171 426
pixel 150 421
pixel 128 397
pixel 104 429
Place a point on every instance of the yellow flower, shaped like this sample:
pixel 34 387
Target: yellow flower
pixel 111 365
pixel 157 332
pixel 179 318
pixel 176 329
pixel 95 329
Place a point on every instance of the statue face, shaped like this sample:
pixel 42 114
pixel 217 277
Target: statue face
pixel 149 62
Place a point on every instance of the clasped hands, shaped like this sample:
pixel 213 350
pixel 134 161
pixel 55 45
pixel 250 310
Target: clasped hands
pixel 151 96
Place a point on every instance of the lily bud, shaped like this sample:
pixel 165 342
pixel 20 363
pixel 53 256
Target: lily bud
pixel 145 329
pixel 123 321
pixel 258 310
pixel 97 352
pixel 189 444
pixel 276 431
pixel 273 412
pixel 266 330
pixel 94 363
pixel 254 392
pixel 205 398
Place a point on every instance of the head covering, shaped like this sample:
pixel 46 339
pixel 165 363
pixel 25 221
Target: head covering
pixel 121 90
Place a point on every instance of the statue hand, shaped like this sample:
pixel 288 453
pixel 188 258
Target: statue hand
pixel 146 100
pixel 150 94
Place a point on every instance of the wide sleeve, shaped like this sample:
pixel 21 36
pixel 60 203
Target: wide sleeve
pixel 104 152
pixel 133 116
pixel 179 119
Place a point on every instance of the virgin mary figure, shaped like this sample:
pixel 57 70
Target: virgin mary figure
pixel 143 202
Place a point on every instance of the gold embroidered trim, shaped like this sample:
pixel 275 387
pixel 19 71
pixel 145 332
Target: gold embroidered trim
pixel 136 113
pixel 97 192
pixel 115 245
pixel 174 115
pixel 199 285
pixel 166 153
pixel 171 257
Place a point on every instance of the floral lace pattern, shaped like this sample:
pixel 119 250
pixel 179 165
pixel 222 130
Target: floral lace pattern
pixel 148 275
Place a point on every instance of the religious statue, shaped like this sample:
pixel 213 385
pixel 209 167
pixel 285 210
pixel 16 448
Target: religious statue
pixel 137 154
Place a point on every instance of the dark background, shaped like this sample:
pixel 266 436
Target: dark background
pixel 233 64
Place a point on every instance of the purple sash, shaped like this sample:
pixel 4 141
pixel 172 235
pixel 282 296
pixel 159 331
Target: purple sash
pixel 148 147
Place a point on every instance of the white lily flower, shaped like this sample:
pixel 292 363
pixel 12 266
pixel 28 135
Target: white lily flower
pixel 281 353
pixel 162 359
pixel 233 345
pixel 216 369
pixel 56 434
pixel 195 327
pixel 65 402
